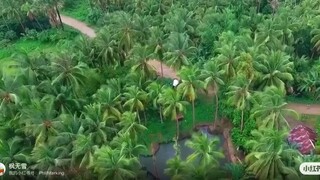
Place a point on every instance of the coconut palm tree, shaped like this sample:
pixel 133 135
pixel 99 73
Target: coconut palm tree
pixel 101 4
pixel 142 26
pixel 135 100
pixel 275 70
pixel 266 158
pixel 205 150
pixel 240 95
pixel 130 126
pixel 116 84
pixel 14 150
pixel 35 68
pixel 112 164
pixel 316 39
pixel 311 82
pixel 173 105
pixel 270 109
pixel 236 170
pixel 129 146
pixel 49 158
pixel 65 99
pixel 140 56
pixel 9 95
pixel 68 129
pixel 180 20
pixel 268 33
pixel 110 102
pixel 124 29
pixel 12 10
pixel 177 169
pixel 66 71
pixel 40 119
pixel 189 85
pixel 83 149
pixel 178 50
pixel 212 76
pixel 155 89
pixel 106 47
pixel 94 124
pixel 51 7
pixel 85 48
pixel 228 60
pixel 137 79
pixel 156 43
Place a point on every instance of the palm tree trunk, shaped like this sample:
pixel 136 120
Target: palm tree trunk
pixel 161 118
pixel 193 114
pixel 58 12
pixel 177 128
pixel 138 116
pixel 20 21
pixel 258 6
pixel 241 128
pixel 40 26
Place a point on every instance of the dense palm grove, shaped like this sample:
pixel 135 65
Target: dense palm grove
pixel 82 110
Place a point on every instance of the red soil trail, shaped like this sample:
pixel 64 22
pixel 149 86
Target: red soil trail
pixel 167 71
pixel 78 25
pixel 313 109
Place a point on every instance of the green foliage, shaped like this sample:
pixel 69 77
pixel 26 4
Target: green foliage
pixel 79 103
pixel 239 138
pixel 78 9
pixel 10 35
pixel 237 170
pixel 164 132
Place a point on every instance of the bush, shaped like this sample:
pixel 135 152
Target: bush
pixel 14 25
pixel 31 34
pixel 10 35
pixel 55 35
pixel 43 36
pixel 69 3
pixel 94 15
pixel 1 35
pixel 227 111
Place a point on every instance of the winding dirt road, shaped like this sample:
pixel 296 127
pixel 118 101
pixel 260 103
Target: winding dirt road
pixel 80 26
pixel 170 73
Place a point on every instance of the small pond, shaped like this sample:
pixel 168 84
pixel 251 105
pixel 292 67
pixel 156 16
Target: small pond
pixel 166 152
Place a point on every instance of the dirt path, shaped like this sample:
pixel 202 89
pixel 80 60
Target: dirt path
pixel 313 109
pixel 82 27
pixel 167 71
pixel 171 73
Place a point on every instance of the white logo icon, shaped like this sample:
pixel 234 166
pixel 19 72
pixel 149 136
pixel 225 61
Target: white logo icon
pixel 2 169
pixel 310 168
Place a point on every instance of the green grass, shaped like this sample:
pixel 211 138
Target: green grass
pixel 310 119
pixel 79 10
pixel 303 99
pixel 165 132
pixel 32 47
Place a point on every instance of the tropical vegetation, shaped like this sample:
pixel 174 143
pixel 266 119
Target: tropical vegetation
pixel 90 106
